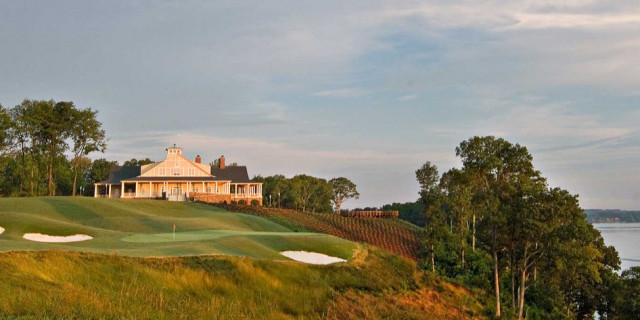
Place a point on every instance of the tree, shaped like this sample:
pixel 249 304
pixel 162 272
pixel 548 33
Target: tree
pixel 457 204
pixel 431 197
pixel 99 170
pixel 135 162
pixel 273 187
pixel 87 136
pixel 343 189
pixel 409 211
pixel 628 306
pixel 48 125
pixel 496 167
pixel 310 192
pixel 5 127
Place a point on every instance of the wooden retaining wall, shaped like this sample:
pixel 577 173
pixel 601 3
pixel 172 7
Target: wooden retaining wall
pixel 371 214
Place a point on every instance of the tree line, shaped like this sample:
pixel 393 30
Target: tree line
pixel 497 225
pixel 44 146
pixel 306 193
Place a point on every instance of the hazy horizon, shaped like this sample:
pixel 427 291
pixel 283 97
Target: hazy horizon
pixel 365 90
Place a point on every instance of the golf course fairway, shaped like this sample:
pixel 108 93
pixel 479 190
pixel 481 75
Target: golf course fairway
pixel 144 228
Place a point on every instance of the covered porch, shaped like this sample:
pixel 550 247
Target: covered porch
pixel 176 189
pixel 246 191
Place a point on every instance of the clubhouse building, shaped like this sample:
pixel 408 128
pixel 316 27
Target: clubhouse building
pixel 179 179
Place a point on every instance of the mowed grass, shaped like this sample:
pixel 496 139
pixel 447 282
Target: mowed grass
pixel 143 228
pixel 72 285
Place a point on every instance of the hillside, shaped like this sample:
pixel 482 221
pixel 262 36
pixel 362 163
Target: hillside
pixel 71 285
pixel 144 228
pixel 395 235
pixel 71 281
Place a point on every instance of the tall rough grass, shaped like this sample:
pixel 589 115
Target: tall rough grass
pixel 71 285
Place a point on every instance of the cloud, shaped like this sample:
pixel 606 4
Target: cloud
pixel 342 93
pixel 555 121
pixel 408 97
pixel 540 21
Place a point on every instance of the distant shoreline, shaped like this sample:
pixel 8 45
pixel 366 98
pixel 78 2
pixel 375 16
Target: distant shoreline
pixel 612 216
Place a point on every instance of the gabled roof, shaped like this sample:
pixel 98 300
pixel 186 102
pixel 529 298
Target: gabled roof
pixel 119 173
pixel 234 173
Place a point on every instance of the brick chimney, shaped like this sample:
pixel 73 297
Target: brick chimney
pixel 198 159
pixel 221 162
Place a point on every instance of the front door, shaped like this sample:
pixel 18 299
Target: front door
pixel 176 191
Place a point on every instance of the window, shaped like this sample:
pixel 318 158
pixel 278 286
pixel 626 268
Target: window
pixel 208 189
pixel 195 189
pixel 161 171
pixel 192 171
pixel 176 172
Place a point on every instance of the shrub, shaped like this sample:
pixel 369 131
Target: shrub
pixel 255 203
pixel 242 202
pixel 233 202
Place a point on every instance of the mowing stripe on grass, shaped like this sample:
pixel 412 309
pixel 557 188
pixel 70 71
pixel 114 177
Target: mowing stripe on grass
pixel 207 235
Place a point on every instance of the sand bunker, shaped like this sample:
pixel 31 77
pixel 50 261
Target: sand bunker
pixel 311 257
pixel 38 237
pixel 1 230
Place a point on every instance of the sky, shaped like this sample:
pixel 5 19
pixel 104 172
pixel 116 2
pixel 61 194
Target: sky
pixel 368 90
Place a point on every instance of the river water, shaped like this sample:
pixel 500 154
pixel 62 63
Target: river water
pixel 626 238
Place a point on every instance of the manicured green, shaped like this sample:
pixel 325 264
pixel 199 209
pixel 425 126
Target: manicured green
pixel 144 228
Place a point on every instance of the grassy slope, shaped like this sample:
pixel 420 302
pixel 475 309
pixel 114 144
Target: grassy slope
pixel 54 284
pixel 397 236
pixel 109 221
pixel 72 285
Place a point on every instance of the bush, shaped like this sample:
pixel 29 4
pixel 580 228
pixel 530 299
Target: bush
pixel 242 202
pixel 255 203
pixel 233 202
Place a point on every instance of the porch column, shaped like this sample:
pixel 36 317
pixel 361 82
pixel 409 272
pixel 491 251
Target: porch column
pixel 95 192
pixel 149 189
pixel 109 191
pixel 236 190
pixel 188 184
pixel 203 188
pixel 136 189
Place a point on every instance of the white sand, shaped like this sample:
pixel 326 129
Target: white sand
pixel 311 257
pixel 38 237
pixel 1 230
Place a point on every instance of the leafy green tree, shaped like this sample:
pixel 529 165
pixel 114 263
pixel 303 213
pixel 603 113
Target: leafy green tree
pixel 5 127
pixel 457 206
pixel 273 188
pixel 135 162
pixel 628 306
pixel 309 192
pixel 87 136
pixel 343 189
pixel 48 125
pixel 409 211
pixel 432 199
pixel 99 170
pixel 496 166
